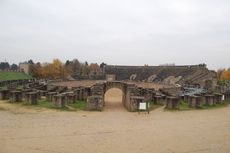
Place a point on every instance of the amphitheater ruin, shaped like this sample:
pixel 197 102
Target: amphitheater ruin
pixel 166 85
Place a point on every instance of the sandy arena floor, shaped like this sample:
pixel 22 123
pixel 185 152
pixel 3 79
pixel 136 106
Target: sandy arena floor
pixel 25 130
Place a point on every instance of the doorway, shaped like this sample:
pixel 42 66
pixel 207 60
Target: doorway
pixel 113 99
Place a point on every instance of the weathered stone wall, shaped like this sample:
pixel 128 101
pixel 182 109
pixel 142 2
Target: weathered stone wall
pixel 194 74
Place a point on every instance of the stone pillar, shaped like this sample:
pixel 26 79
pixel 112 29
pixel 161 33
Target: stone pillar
pixel 134 102
pixel 4 94
pixel 40 93
pixel 227 96
pixel 186 98
pixel 218 98
pixel 147 94
pixel 130 91
pixel 16 96
pixel 77 93
pixel 70 98
pixel 172 103
pixel 194 101
pixel 86 93
pixel 25 91
pixel 97 90
pixel 59 100
pixel 158 100
pixel 209 100
pixel 49 96
pixel 32 98
pixel 81 92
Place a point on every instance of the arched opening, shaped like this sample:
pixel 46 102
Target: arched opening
pixel 113 99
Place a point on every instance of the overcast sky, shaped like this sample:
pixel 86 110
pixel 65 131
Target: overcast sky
pixel 121 32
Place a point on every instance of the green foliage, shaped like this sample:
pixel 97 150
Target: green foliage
pixel 221 82
pixel 5 76
pixel 154 106
pixel 223 104
pixel 46 104
pixel 185 106
pixel 79 105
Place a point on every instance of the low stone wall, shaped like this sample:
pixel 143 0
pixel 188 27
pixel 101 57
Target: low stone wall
pixel 95 103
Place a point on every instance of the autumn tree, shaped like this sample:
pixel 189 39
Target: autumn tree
pixel 94 67
pixel 225 75
pixel 219 73
pixel 58 70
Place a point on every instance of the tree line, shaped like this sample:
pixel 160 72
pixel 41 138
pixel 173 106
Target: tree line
pixel 4 66
pixel 59 70
pixel 223 74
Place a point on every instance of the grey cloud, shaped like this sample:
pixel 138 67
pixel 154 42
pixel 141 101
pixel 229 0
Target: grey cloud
pixel 117 32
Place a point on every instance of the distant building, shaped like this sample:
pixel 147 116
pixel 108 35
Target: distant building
pixel 24 67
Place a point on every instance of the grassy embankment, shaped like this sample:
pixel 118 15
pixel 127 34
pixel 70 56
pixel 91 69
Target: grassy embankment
pixel 7 76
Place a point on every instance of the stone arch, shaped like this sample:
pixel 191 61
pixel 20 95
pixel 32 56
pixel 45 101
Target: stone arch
pixel 130 93
pixel 119 85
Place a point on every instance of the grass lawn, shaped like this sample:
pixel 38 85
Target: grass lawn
pixel 185 106
pixel 154 106
pixel 78 105
pixel 5 76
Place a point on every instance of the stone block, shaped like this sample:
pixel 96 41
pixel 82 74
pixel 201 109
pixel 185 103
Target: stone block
pixel 59 100
pixel 32 98
pixel 4 94
pixel 172 103
pixel 218 98
pixel 209 100
pixel 194 101
pixel 70 97
pixel 95 103
pixel 159 100
pixel 15 96
pixel 50 95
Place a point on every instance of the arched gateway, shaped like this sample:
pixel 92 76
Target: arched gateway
pixel 116 84
pixel 131 95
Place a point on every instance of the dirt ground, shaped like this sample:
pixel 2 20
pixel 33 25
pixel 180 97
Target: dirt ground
pixel 28 130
